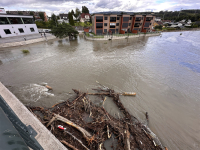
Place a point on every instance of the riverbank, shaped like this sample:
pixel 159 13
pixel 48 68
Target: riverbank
pixel 187 29
pixel 25 40
pixel 121 36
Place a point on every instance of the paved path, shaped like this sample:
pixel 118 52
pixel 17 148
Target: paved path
pixel 21 38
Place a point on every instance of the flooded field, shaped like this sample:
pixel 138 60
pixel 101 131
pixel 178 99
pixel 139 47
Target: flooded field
pixel 164 71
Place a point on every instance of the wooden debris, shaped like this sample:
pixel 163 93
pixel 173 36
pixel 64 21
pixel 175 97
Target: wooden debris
pixel 128 94
pixel 69 145
pixel 53 119
pixel 77 140
pixel 85 133
pixel 48 87
pixel 92 134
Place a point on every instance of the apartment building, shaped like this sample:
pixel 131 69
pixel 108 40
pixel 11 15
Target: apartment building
pixel 103 23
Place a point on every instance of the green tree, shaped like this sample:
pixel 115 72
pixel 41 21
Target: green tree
pixel 85 9
pixel 77 13
pixel 20 13
pixel 53 21
pixel 41 14
pixel 32 14
pixel 158 27
pixel 71 21
pixel 90 19
pixel 64 30
pixel 72 12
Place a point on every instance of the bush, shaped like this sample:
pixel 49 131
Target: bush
pixel 25 51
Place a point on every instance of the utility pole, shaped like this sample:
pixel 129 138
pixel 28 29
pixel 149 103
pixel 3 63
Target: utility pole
pixel 179 13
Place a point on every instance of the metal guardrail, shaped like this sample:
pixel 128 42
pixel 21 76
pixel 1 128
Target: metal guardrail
pixel 26 132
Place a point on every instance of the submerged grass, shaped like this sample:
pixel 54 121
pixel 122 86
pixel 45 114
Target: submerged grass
pixel 25 51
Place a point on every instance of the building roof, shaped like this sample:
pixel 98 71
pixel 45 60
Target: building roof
pixel 11 15
pixel 166 21
pixel 83 15
pixel 115 13
pixel 159 22
pixel 197 22
pixel 63 15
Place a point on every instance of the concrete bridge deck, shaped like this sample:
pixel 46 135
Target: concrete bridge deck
pixel 44 137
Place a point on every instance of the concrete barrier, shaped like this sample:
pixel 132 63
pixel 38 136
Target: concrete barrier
pixel 121 37
pixel 44 137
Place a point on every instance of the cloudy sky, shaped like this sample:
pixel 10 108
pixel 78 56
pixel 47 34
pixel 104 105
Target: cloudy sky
pixel 64 6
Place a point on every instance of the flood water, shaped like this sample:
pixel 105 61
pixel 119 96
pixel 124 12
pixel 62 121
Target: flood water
pixel 164 71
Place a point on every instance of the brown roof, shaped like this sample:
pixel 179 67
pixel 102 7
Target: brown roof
pixel 159 22
pixel 83 15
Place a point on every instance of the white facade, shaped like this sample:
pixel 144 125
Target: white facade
pixel 158 19
pixel 2 11
pixel 63 20
pixel 7 29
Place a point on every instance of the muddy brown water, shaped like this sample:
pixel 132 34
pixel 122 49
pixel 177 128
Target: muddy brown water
pixel 164 71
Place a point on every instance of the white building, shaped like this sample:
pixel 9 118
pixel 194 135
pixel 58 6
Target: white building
pixel 174 25
pixel 84 17
pixel 16 25
pixel 157 19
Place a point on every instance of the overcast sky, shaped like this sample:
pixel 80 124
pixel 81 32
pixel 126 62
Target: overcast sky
pixel 64 6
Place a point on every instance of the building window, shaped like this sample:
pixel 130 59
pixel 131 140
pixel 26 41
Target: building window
pixel 117 18
pixel 7 31
pixel 129 24
pixel 112 19
pixel 105 24
pixel 112 25
pixel 28 20
pixel 99 25
pixel 137 25
pixel 146 24
pixel 105 30
pixel 150 23
pixel 105 18
pixel 124 25
pixel 14 20
pixel 21 30
pixel 99 32
pixel 99 18
pixel 32 29
pixel 125 19
pixel 149 18
pixel 112 30
pixel 3 20
pixel 138 19
pixel 130 18
pixel 117 31
pixel 117 24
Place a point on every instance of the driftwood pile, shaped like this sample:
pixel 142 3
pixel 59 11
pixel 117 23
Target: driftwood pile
pixel 87 126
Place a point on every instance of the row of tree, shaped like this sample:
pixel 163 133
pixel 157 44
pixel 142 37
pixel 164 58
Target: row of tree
pixel 193 15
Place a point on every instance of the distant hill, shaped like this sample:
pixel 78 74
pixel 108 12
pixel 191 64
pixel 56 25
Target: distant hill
pixel 192 14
